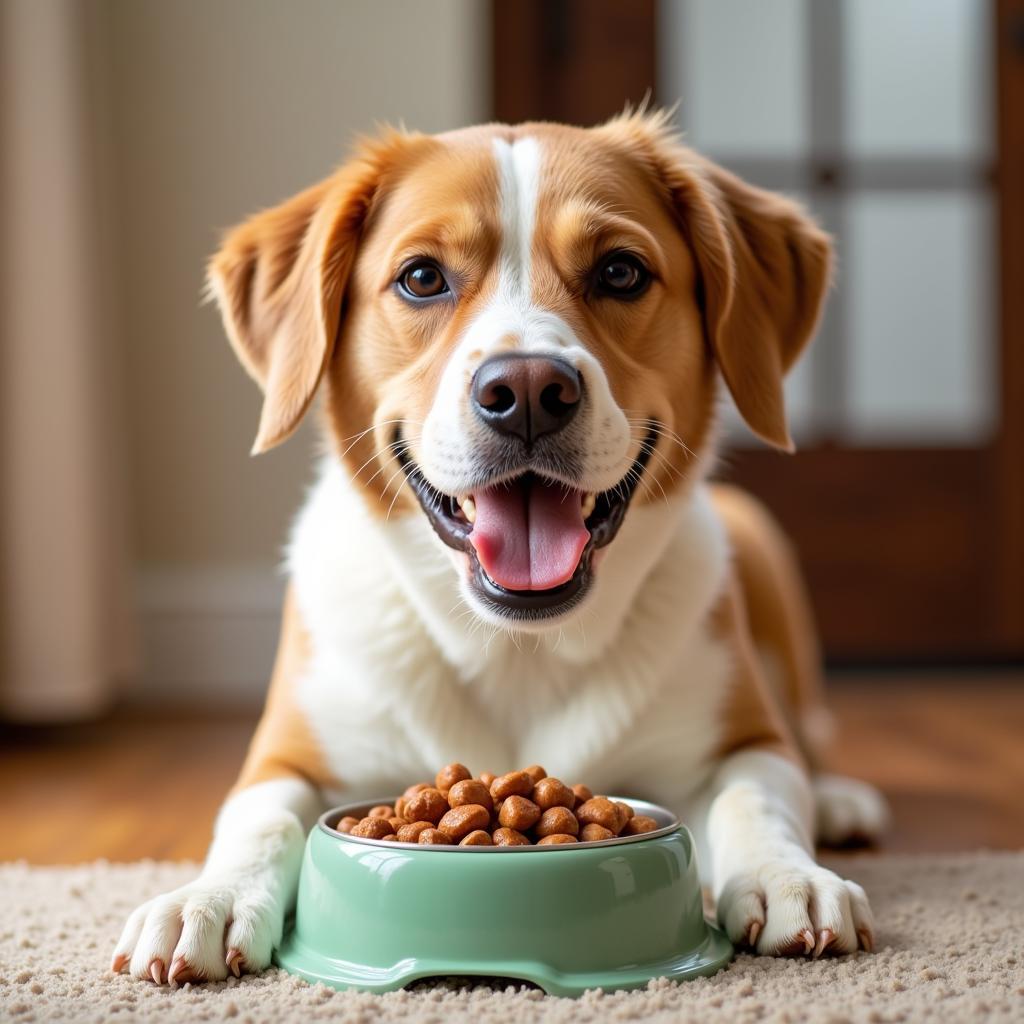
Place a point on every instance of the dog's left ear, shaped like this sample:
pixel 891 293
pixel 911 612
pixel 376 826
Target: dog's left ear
pixel 764 267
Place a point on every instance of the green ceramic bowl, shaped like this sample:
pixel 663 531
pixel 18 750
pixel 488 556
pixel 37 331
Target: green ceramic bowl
pixel 377 916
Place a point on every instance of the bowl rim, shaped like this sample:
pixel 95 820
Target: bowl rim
pixel 656 811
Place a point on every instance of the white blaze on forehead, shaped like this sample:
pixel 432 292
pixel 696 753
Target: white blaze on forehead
pixel 454 443
pixel 519 181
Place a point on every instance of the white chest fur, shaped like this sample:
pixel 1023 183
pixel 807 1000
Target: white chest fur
pixel 402 681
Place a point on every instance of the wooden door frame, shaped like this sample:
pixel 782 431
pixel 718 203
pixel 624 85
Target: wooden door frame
pixel 575 61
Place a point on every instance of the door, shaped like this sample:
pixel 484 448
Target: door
pixel 899 123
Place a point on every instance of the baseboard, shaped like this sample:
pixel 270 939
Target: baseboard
pixel 208 635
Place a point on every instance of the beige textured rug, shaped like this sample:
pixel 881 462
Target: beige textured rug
pixel 950 938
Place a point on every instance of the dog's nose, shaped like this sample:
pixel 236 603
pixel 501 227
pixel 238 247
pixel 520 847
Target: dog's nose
pixel 527 396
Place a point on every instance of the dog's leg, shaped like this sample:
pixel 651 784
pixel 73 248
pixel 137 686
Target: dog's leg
pixel 231 916
pixel 754 824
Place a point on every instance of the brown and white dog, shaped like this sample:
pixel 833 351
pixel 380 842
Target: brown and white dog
pixel 512 554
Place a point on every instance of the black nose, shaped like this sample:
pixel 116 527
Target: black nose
pixel 527 396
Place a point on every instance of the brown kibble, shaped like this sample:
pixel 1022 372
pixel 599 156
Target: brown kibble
pixel 509 837
pixel 400 807
pixel 599 810
pixel 433 837
pixel 390 838
pixel 626 810
pixel 372 828
pixel 449 775
pixel 519 813
pixel 550 792
pixel 557 821
pixel 470 791
pixel 416 787
pixel 411 833
pixel 381 811
pixel 426 805
pixel 487 778
pixel 460 821
pixel 639 824
pixel 511 784
pixel 536 773
pixel 346 824
pixel 477 838
pixel 397 822
pixel 582 794
pixel 556 840
pixel 595 834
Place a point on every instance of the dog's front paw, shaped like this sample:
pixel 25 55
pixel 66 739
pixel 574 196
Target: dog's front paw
pixel 200 932
pixel 784 907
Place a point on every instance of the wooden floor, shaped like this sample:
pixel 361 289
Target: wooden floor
pixel 948 751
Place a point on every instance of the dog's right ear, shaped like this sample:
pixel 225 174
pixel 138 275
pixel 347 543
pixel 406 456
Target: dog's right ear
pixel 279 280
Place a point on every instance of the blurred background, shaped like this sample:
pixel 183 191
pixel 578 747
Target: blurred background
pixel 140 545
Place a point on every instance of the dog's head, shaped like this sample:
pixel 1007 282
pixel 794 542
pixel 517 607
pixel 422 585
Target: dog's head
pixel 521 331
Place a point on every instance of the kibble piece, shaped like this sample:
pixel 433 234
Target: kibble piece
pixel 595 834
pixel 626 809
pixel 557 821
pixel 346 824
pixel 381 811
pixel 426 805
pixel 509 837
pixel 477 838
pixel 556 840
pixel 551 792
pixel 397 822
pixel 487 778
pixel 372 828
pixel 582 794
pixel 519 813
pixel 434 837
pixel 599 810
pixel 536 773
pixel 470 791
pixel 417 787
pixel 411 833
pixel 449 775
pixel 460 821
pixel 511 784
pixel 639 824
pixel 390 838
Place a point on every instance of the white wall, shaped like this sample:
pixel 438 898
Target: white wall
pixel 212 111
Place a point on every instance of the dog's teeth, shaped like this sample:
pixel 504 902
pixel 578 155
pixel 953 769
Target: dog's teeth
pixel 468 509
pixel 589 504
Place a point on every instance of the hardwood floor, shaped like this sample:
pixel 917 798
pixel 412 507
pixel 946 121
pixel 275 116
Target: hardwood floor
pixel 948 750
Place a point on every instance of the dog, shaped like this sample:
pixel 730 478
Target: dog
pixel 513 553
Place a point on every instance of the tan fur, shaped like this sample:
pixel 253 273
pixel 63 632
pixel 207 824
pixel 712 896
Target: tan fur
pixel 283 745
pixel 740 279
pixel 778 612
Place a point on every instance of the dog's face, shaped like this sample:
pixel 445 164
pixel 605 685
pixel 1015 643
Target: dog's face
pixel 521 331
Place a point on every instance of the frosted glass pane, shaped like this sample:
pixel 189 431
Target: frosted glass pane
pixel 739 68
pixel 917 75
pixel 920 352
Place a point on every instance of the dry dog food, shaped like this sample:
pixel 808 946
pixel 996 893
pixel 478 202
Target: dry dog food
pixel 522 808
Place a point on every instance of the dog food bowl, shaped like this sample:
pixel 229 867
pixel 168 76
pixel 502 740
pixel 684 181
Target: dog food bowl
pixel 379 915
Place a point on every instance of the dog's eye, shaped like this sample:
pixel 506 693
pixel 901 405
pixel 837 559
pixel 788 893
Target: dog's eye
pixel 423 280
pixel 621 275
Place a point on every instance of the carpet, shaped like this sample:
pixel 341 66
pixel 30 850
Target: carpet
pixel 949 936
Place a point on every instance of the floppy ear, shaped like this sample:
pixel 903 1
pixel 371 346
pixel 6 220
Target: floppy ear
pixel 279 279
pixel 764 269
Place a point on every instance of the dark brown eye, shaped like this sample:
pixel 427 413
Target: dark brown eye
pixel 621 275
pixel 423 280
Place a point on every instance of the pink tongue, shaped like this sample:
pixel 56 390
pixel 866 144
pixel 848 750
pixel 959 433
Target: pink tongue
pixel 529 535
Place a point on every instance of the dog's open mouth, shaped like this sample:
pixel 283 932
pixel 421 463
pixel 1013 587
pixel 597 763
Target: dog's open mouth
pixel 530 540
